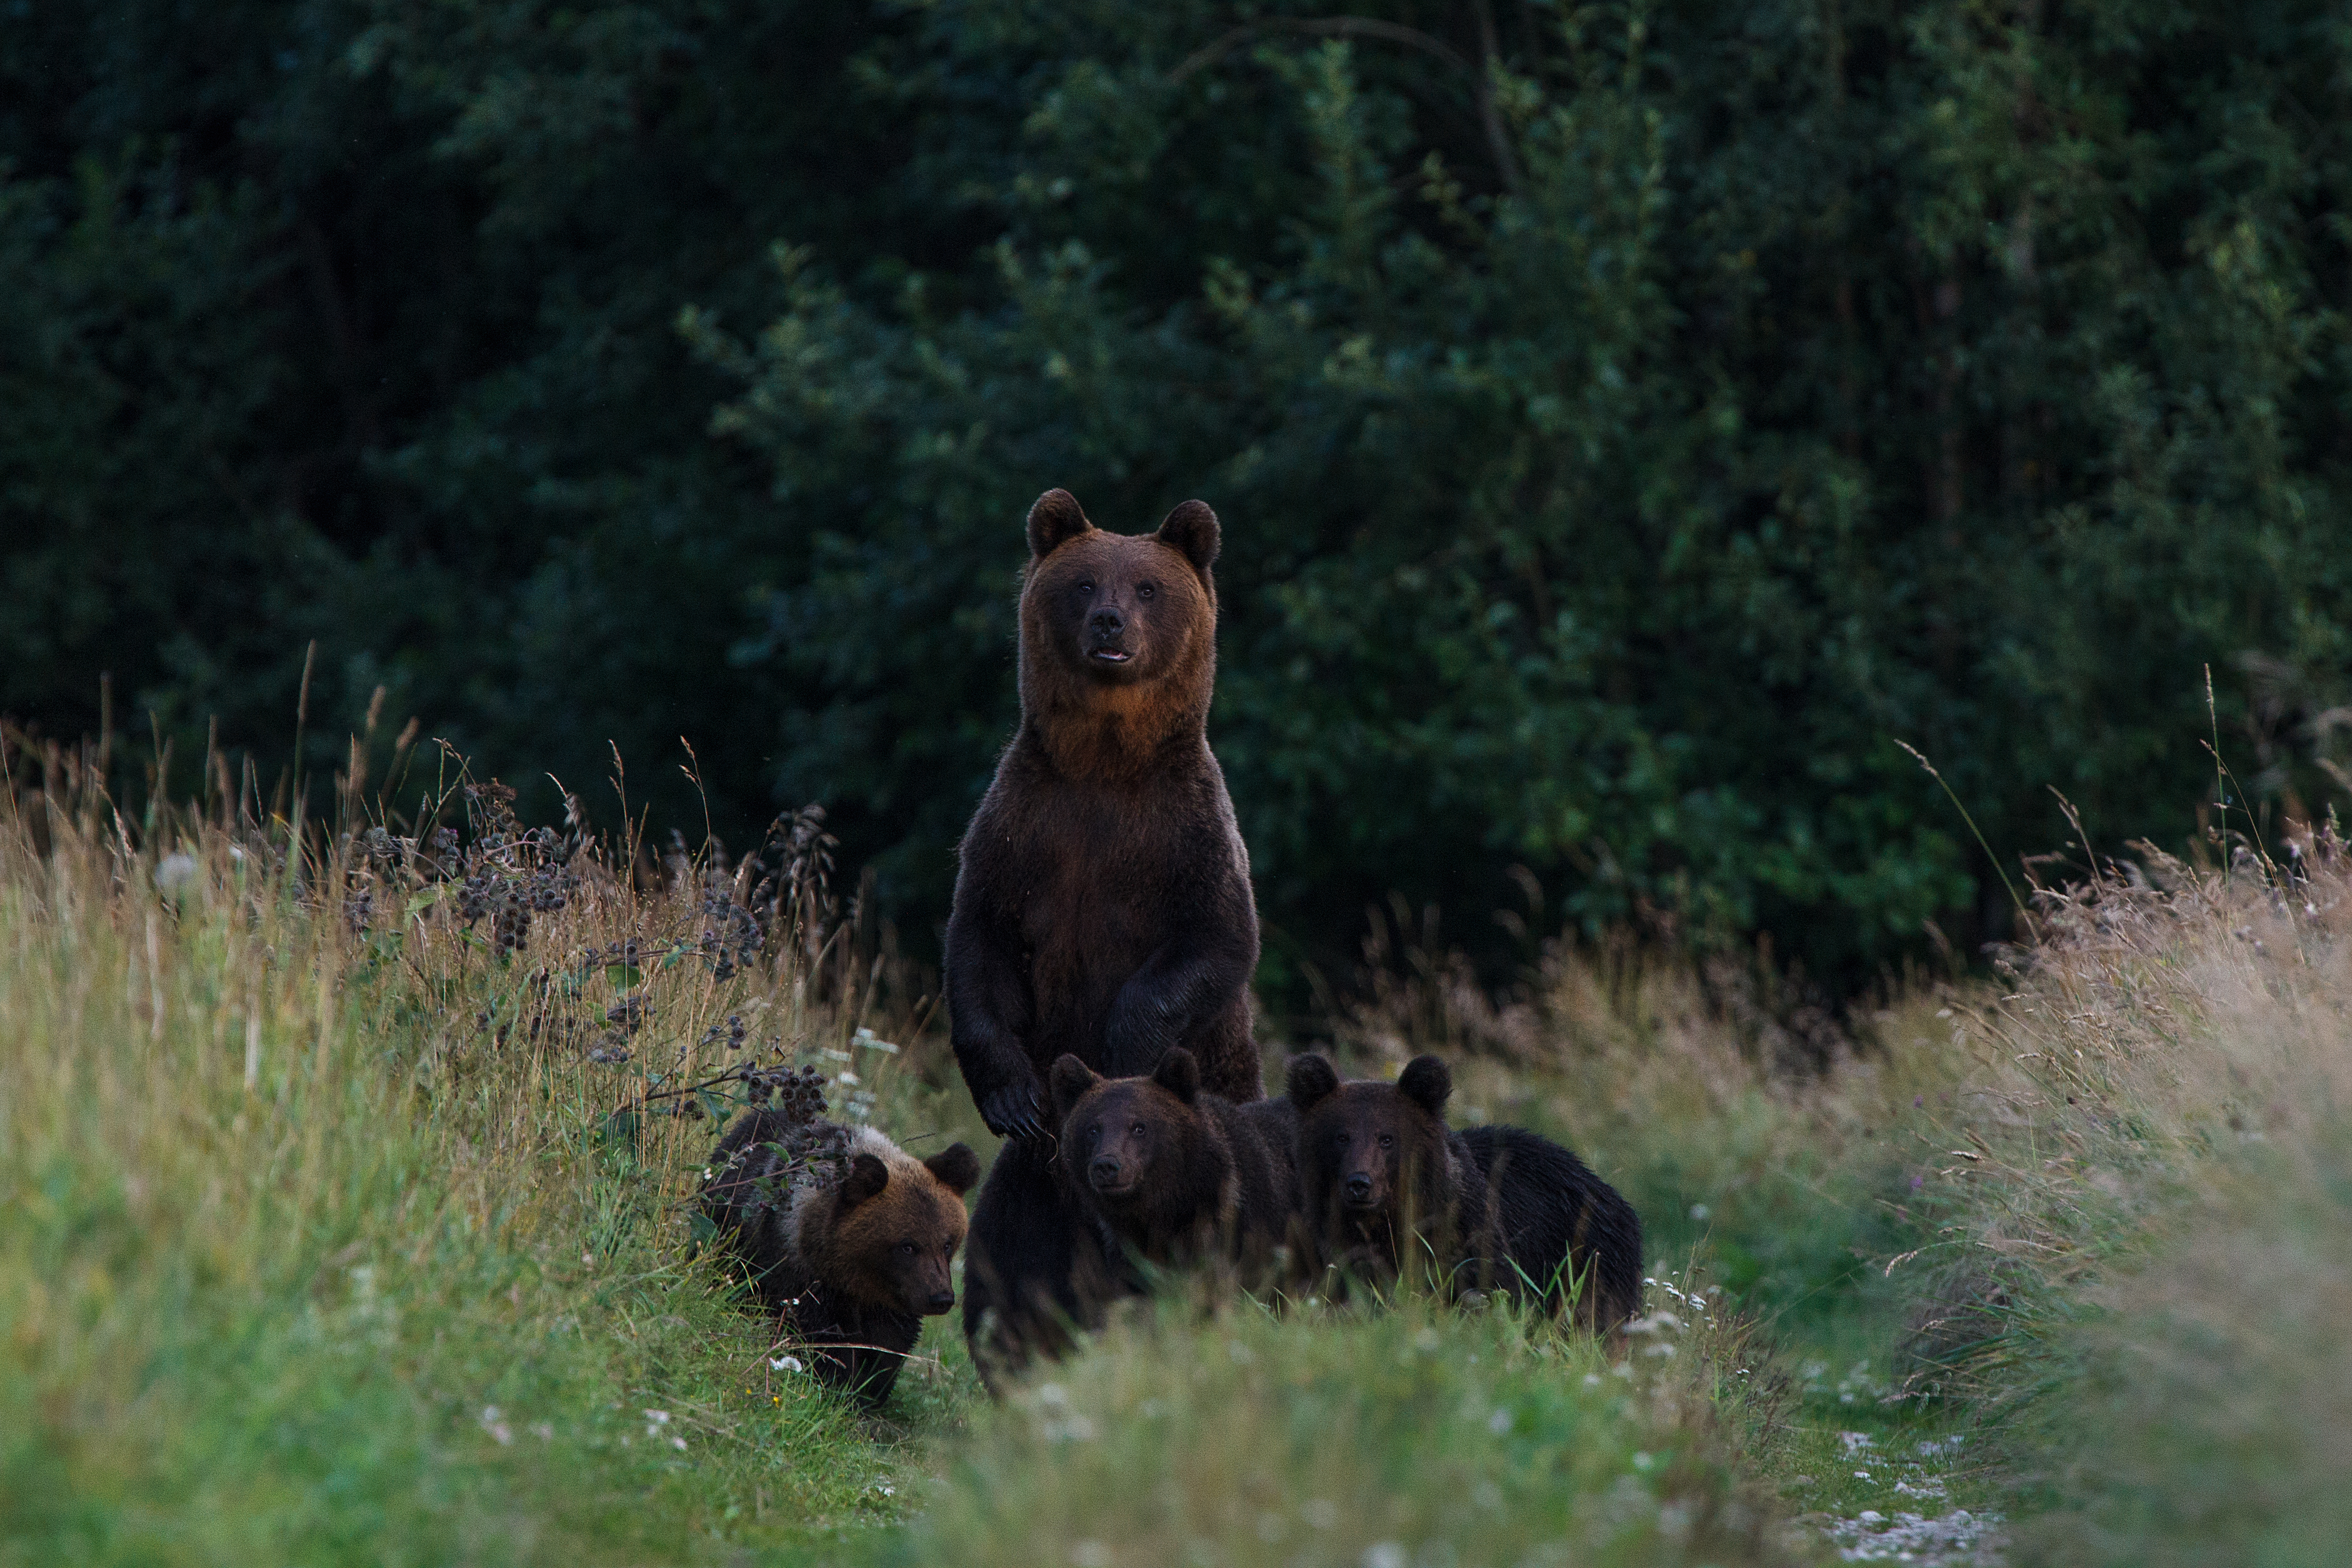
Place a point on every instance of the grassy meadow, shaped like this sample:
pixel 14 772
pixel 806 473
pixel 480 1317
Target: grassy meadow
pixel 346 1219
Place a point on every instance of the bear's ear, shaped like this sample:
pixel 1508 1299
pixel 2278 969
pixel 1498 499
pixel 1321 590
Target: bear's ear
pixel 1428 1083
pixel 1179 1073
pixel 867 1176
pixel 1193 528
pixel 1310 1081
pixel 1055 520
pixel 956 1166
pixel 1070 1080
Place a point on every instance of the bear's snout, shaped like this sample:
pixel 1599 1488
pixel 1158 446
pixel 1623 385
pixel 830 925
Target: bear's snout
pixel 1357 1190
pixel 941 1301
pixel 1107 635
pixel 1108 1174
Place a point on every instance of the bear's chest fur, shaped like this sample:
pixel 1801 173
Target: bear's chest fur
pixel 1098 878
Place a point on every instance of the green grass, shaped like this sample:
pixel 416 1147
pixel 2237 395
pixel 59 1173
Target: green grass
pixel 2207 1421
pixel 322 1247
pixel 1413 1436
pixel 319 1245
pixel 300 1264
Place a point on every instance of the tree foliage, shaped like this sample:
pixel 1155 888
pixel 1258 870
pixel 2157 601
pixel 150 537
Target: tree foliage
pixel 1629 421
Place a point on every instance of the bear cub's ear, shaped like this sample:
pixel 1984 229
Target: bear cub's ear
pixel 1191 527
pixel 1428 1083
pixel 1054 521
pixel 1178 1072
pixel 1070 1080
pixel 867 1176
pixel 1310 1081
pixel 956 1166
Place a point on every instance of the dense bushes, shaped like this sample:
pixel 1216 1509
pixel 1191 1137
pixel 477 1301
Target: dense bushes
pixel 1629 422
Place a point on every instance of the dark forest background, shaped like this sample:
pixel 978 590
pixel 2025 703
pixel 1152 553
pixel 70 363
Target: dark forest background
pixel 1629 422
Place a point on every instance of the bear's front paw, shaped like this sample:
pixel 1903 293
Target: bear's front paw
pixel 1015 1111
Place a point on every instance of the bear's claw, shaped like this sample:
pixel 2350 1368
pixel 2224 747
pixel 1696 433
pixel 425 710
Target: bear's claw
pixel 1015 1111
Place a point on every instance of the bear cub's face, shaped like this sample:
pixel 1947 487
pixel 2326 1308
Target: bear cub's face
pixel 1369 1150
pixel 1118 609
pixel 1117 1132
pixel 898 1235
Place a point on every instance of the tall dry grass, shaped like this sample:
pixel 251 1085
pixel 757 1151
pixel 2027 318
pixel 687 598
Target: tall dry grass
pixel 2150 1211
pixel 2093 1217
pixel 324 1242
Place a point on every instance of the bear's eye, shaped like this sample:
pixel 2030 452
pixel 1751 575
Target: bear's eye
pixel 1146 589
pixel 1137 1130
pixel 906 1249
pixel 1341 1139
pixel 1387 1141
pixel 1087 586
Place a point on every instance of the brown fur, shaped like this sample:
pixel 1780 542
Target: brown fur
pixel 1386 1184
pixel 1174 1174
pixel 1102 904
pixel 850 1265
pixel 850 1234
pixel 1106 727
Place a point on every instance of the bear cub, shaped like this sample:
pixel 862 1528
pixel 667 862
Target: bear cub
pixel 1382 1180
pixel 1173 1174
pixel 846 1237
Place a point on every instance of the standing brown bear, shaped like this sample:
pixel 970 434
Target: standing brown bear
pixel 1102 905
pixel 1385 1184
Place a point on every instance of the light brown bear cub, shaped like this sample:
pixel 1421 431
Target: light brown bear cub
pixel 846 1235
pixel 1172 1174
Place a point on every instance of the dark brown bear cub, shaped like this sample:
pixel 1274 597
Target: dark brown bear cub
pixel 1102 902
pixel 1172 1174
pixel 846 1235
pixel 1383 1183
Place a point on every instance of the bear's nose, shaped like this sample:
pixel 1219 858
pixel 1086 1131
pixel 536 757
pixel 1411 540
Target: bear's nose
pixel 1104 1171
pixel 1106 622
pixel 942 1300
pixel 1359 1188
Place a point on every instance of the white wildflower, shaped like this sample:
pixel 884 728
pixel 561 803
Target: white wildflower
pixel 176 874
